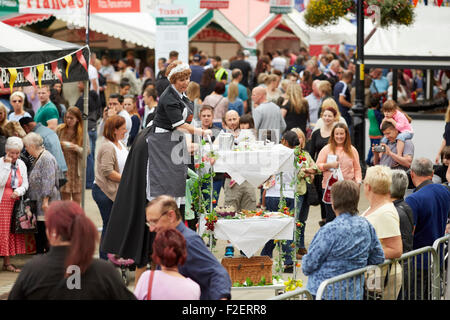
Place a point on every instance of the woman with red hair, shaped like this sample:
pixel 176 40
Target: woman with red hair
pixel 169 251
pixel 68 270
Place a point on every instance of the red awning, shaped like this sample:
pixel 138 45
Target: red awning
pixel 20 20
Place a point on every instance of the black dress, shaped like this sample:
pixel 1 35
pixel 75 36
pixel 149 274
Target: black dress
pixel 317 143
pixel 127 234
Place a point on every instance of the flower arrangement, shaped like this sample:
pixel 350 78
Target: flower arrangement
pixel 327 12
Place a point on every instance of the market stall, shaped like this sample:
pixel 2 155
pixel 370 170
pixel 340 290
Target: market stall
pixel 29 59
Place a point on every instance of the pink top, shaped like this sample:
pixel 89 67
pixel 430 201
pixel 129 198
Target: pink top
pixel 351 170
pixel 403 124
pixel 167 287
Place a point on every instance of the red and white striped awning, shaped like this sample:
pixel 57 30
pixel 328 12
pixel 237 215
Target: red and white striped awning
pixel 21 20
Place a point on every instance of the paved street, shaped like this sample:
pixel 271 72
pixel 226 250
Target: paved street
pixel 7 278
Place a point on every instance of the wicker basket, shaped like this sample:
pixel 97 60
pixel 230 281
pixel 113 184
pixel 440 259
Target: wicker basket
pixel 254 268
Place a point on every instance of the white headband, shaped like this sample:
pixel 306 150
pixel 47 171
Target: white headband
pixel 179 68
pixel 17 93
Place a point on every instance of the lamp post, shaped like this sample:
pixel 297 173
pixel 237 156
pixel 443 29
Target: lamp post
pixel 359 109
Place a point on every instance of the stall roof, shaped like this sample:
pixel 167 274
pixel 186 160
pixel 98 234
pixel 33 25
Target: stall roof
pixel 20 48
pixel 342 32
pixel 138 28
pixel 421 45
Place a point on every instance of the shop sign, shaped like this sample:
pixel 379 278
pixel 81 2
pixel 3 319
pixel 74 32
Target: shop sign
pixel 214 4
pixel 281 6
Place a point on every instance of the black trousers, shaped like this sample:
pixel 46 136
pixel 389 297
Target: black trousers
pixel 41 238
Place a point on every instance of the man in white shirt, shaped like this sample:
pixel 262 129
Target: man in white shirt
pixel 93 74
pixel 278 62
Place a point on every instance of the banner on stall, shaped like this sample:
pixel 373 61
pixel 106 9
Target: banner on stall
pixel 118 6
pixel 9 6
pixel 69 67
pixel 214 4
pixel 171 33
pixel 68 7
pixel 281 6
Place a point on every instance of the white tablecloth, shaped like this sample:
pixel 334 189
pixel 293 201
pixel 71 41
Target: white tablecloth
pixel 255 166
pixel 250 235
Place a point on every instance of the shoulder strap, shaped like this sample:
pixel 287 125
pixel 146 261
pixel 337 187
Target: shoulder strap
pixel 150 283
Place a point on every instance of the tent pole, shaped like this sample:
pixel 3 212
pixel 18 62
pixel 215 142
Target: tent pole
pixel 85 116
pixel 85 141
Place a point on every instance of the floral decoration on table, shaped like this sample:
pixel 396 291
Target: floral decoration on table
pixel 276 280
pixel 327 12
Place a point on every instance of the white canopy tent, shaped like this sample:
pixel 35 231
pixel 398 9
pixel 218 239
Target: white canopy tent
pixel 342 32
pixel 422 45
pixel 138 28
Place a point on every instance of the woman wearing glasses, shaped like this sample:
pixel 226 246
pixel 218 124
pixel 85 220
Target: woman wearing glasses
pixel 17 100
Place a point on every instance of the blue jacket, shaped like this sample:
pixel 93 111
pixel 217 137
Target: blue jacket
pixel 52 144
pixel 345 244
pixel 202 267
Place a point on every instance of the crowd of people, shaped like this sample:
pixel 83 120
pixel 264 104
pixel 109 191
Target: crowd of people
pixel 301 102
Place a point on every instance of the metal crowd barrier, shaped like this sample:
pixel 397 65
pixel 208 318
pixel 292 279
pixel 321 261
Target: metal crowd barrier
pixel 441 246
pixel 421 274
pixel 298 294
pixel 413 276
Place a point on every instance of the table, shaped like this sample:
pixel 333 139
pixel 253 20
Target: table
pixel 251 234
pixel 255 166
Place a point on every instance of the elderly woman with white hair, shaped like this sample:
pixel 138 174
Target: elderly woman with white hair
pixel 17 100
pixel 13 184
pixel 43 180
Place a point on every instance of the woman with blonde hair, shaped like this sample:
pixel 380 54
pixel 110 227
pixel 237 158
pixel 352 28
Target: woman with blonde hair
pixel 193 93
pixel 295 109
pixel 234 102
pixel 326 104
pixel 3 115
pixel 273 92
pixel 70 134
pixel 446 136
pixel 14 129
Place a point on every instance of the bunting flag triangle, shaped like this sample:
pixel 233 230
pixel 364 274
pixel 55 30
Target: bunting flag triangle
pixel 29 76
pixel 439 2
pixel 81 59
pixel 415 3
pixel 12 79
pixel 68 59
pixel 40 68
pixel 55 70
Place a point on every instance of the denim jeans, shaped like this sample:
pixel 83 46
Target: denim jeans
pixel 217 186
pixel 105 206
pixel 90 162
pixel 370 154
pixel 272 205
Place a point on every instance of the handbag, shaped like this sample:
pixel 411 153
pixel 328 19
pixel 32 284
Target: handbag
pixel 312 197
pixel 150 283
pixel 336 176
pixel 24 216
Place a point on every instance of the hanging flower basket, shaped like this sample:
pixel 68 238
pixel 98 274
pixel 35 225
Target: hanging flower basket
pixel 328 12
